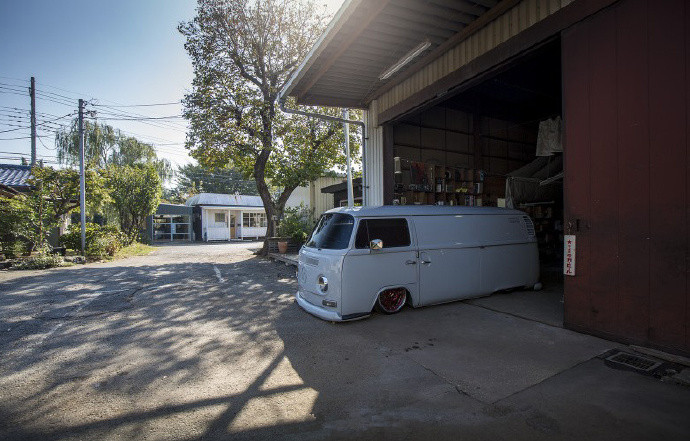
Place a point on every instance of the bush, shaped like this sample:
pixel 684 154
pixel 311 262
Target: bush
pixel 12 249
pixel 16 229
pixel 40 261
pixel 101 241
pixel 296 224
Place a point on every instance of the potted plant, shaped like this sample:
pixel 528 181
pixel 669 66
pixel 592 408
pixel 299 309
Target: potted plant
pixel 282 246
pixel 295 226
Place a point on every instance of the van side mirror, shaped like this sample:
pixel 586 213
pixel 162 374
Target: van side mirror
pixel 376 244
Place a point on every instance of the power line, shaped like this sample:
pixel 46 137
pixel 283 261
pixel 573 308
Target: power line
pixel 146 118
pixel 12 139
pixel 27 154
pixel 14 130
pixel 141 105
pixel 130 115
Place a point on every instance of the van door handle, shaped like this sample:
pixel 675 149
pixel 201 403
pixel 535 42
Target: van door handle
pixel 426 262
pixel 411 262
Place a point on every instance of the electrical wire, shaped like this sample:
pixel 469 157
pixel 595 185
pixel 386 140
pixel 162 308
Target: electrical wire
pixel 141 118
pixel 12 139
pixel 141 105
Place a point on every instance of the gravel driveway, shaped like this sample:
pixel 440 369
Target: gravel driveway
pixel 205 342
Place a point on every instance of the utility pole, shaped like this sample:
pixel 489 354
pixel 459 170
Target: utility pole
pixel 33 121
pixel 82 180
pixel 346 131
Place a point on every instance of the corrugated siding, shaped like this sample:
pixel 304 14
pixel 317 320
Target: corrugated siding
pixel 514 21
pixel 322 202
pixel 374 163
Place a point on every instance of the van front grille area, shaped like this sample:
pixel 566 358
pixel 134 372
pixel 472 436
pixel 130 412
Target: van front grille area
pixel 529 226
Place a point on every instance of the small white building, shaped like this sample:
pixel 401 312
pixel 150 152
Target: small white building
pixel 228 216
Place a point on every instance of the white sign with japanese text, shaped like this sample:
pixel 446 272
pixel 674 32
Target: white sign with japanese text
pixel 569 255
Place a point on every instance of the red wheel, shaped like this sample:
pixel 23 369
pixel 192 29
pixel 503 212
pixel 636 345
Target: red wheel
pixel 391 301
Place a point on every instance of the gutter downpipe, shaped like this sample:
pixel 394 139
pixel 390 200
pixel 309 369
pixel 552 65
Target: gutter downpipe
pixel 281 104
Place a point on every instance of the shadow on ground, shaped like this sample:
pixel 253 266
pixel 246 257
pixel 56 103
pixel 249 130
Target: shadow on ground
pixel 219 350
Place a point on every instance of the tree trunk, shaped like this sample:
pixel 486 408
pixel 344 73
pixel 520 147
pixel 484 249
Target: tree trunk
pixel 265 193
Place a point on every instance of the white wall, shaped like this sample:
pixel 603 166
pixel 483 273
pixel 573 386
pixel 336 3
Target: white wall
pixel 312 197
pixel 300 195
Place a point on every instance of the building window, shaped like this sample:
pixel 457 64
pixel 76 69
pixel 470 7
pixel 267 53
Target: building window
pixel 171 227
pixel 219 218
pixel 254 220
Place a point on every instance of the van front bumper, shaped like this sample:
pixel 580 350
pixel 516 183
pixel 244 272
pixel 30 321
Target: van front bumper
pixel 321 313
pixel 326 314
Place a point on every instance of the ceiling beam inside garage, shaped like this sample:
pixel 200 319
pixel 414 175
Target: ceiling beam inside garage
pixel 477 24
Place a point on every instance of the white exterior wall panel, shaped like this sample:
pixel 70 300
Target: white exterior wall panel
pixel 374 157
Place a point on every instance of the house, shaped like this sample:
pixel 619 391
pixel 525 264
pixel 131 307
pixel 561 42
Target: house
pixel 227 216
pixel 14 179
pixel 459 95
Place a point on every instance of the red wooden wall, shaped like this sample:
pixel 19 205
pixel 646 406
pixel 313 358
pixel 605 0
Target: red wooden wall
pixel 626 107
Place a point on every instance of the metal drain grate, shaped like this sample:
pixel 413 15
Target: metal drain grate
pixel 636 362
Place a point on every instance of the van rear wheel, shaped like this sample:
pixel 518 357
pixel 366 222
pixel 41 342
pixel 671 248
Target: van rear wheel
pixel 391 301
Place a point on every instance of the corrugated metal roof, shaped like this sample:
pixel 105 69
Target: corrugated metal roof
pixel 366 38
pixel 15 176
pixel 225 200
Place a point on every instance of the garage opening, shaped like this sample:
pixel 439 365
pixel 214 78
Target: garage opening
pixel 495 144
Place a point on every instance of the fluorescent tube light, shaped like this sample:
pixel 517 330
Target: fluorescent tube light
pixel 405 60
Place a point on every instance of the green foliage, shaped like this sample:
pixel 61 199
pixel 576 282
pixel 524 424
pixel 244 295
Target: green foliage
pixel 42 260
pixel 243 52
pixel 101 241
pixel 136 193
pixel 297 223
pixel 26 220
pixel 104 146
pixel 59 188
pixel 16 232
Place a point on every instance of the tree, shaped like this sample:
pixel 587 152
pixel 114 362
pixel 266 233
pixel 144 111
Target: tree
pixel 55 192
pixel 59 190
pixel 135 192
pixel 16 225
pixel 243 52
pixel 105 145
pixel 197 178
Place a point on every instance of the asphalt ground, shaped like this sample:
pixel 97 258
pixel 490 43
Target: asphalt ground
pixel 205 342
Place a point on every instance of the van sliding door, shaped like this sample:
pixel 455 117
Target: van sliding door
pixel 449 260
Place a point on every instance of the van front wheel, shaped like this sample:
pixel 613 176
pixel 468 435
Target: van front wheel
pixel 391 301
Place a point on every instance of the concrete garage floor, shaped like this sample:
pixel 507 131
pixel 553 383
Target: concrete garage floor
pixel 545 306
pixel 206 342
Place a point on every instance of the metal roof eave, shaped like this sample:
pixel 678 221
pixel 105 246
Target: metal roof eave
pixel 230 207
pixel 340 18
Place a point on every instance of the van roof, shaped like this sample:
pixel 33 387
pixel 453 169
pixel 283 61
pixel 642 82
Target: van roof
pixel 422 210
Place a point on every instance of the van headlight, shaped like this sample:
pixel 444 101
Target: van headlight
pixel 323 283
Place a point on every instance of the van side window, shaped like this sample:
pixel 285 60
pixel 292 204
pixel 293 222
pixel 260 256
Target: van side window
pixel 393 233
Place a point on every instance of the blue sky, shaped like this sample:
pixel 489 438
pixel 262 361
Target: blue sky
pixel 112 52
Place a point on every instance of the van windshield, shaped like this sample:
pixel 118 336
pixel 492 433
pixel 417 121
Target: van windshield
pixel 332 232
